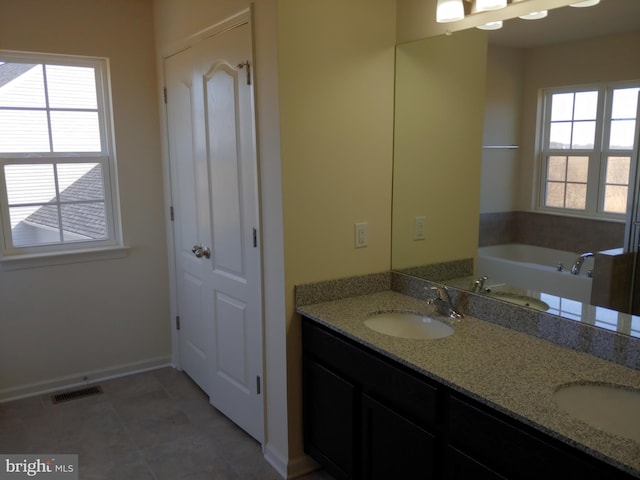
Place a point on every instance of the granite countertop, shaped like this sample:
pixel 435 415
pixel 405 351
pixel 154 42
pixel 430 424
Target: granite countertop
pixel 510 371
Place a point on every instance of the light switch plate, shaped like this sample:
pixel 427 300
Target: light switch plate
pixel 419 228
pixel 361 234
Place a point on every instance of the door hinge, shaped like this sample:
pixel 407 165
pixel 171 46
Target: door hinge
pixel 248 65
pixel 255 238
pixel 258 384
pixel 165 94
pixel 177 322
pixel 171 213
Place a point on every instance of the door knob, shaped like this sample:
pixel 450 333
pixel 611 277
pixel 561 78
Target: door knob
pixel 200 251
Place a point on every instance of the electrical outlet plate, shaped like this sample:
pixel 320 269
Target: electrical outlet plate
pixel 361 234
pixel 419 228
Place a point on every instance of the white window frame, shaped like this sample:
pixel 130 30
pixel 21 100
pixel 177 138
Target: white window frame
pixel 597 156
pixel 112 245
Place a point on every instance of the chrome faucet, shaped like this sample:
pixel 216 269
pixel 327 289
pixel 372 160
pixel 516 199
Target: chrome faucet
pixel 577 265
pixel 443 302
pixel 478 285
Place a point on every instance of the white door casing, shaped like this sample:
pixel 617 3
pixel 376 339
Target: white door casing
pixel 219 295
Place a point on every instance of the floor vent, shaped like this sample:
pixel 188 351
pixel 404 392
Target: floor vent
pixel 74 394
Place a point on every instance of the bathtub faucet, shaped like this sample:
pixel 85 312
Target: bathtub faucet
pixel 577 265
pixel 478 285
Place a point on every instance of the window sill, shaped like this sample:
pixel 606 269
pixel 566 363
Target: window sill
pixel 19 262
pixel 569 214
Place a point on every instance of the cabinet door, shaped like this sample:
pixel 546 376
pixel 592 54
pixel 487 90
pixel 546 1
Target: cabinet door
pixel 517 451
pixel 329 420
pixel 462 467
pixel 393 447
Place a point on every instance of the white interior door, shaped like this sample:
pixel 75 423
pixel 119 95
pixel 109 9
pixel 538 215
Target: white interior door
pixel 190 214
pixel 219 286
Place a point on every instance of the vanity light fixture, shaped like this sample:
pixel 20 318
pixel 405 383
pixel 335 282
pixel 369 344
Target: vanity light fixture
pixel 453 10
pixel 491 26
pixel 585 3
pixel 449 11
pixel 486 5
pixel 534 15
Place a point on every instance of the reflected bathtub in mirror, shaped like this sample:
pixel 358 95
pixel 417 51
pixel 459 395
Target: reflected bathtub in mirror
pixel 536 268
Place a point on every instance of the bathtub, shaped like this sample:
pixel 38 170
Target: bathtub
pixel 535 268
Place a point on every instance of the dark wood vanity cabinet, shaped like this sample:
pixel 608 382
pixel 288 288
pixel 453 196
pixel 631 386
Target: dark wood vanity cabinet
pixel 369 417
pixel 394 446
pixel 495 446
pixel 460 466
pixel 330 425
pixel 365 418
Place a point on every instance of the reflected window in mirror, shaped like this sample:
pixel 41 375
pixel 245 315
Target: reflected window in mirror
pixel 593 315
pixel 589 149
pixel 563 307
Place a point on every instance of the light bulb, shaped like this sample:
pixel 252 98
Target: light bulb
pixel 534 15
pixel 484 5
pixel 585 3
pixel 449 11
pixel 491 26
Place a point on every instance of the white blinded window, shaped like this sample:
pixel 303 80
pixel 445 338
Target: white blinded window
pixel 589 149
pixel 57 168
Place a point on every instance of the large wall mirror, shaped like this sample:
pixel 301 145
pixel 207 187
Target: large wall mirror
pixel 471 180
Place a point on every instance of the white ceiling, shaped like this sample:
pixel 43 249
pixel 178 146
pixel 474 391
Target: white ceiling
pixel 569 23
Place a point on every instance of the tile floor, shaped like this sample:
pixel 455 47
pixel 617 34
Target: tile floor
pixel 151 426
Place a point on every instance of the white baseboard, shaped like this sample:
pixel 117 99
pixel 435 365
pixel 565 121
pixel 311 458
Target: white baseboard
pixel 82 378
pixel 301 466
pixel 277 461
pixel 290 469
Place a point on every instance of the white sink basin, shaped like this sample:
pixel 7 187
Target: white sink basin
pixel 408 325
pixel 523 300
pixel 610 408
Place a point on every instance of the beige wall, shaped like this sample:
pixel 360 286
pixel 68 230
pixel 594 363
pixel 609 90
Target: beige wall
pixel 177 20
pixel 438 138
pixel 501 127
pixel 336 71
pixel 58 323
pixel 336 106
